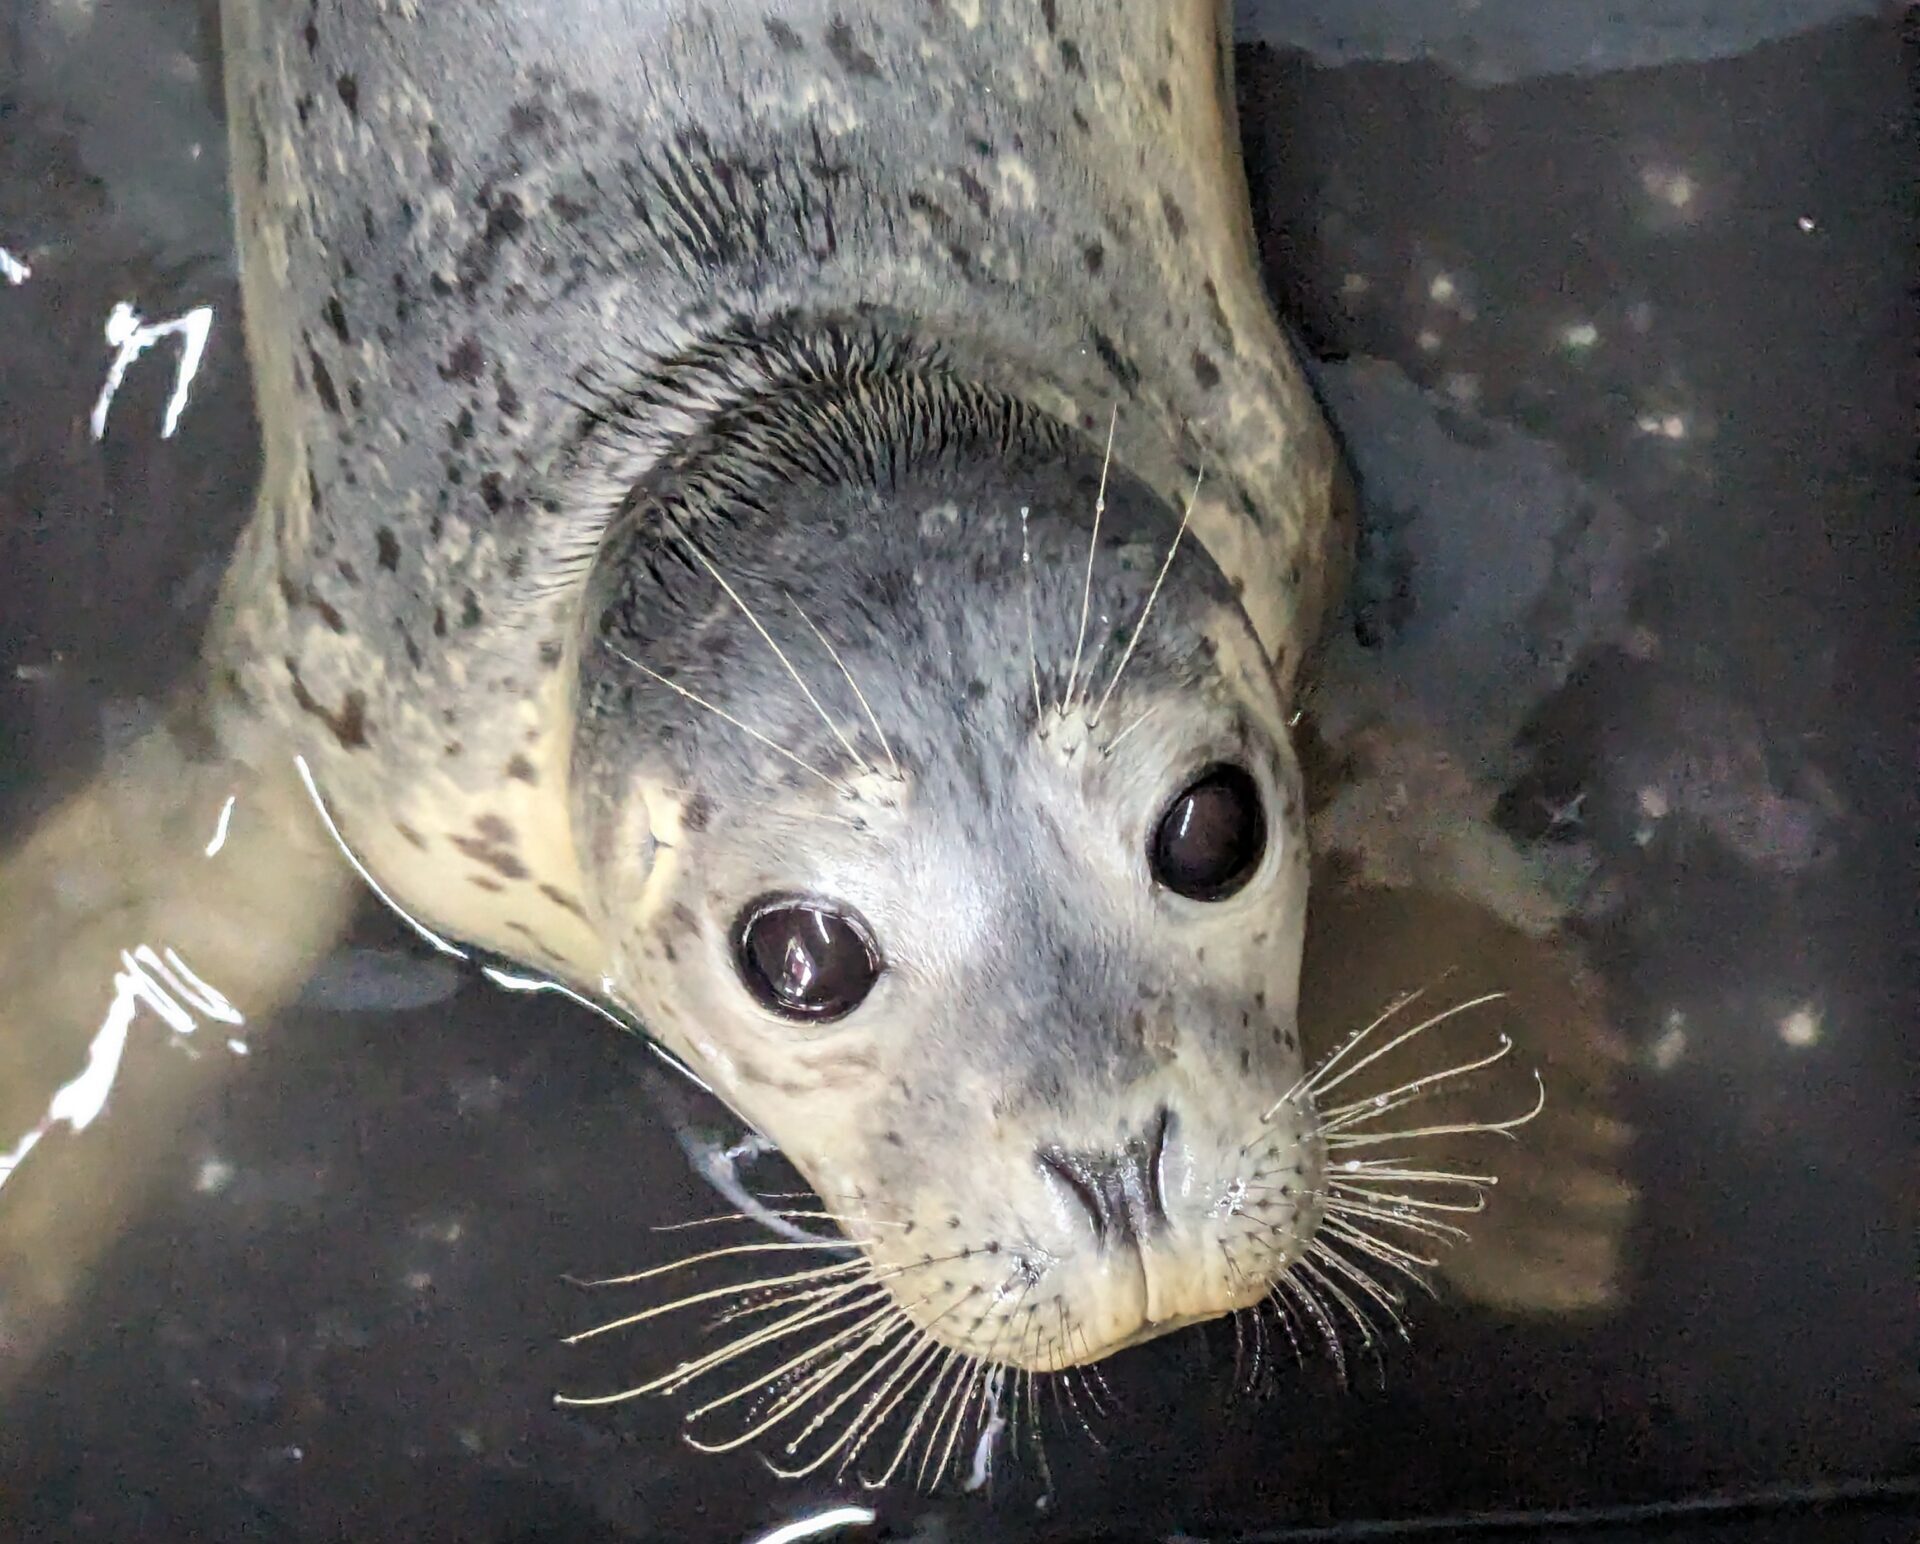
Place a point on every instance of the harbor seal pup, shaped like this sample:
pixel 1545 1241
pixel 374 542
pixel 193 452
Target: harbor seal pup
pixel 797 524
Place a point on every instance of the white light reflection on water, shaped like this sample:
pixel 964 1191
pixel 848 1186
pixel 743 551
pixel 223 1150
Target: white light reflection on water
pixel 131 337
pixel 166 985
pixel 820 1523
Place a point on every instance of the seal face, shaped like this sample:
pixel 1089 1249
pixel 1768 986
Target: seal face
pixel 688 561
pixel 992 923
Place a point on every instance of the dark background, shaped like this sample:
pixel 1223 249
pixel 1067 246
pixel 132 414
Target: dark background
pixel 1627 307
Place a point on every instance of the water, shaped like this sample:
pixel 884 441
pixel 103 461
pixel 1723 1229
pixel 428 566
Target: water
pixel 1620 357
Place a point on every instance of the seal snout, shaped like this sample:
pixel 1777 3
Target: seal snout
pixel 1118 1188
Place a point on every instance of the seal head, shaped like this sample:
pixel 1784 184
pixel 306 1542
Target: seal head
pixel 990 917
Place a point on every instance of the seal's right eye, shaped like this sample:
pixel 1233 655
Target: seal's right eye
pixel 805 959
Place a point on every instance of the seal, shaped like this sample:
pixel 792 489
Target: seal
pixel 797 524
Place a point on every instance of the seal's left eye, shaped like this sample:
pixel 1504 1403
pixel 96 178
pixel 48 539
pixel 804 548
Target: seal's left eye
pixel 805 959
pixel 1210 841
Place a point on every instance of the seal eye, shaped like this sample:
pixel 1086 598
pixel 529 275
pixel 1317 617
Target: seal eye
pixel 1210 841
pixel 804 959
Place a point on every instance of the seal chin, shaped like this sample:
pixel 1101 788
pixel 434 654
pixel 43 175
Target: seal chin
pixel 1155 1292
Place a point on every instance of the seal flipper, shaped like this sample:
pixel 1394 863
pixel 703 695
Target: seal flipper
pixel 1552 1237
pixel 184 889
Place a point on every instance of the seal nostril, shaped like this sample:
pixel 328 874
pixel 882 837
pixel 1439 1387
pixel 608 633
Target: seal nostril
pixel 1156 1163
pixel 1080 1185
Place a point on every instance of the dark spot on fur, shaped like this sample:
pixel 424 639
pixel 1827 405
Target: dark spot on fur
pixel 494 829
pixel 1220 321
pixel 1122 369
pixel 491 493
pixel 312 34
pixel 439 162
pixel 409 835
pixel 336 318
pixel 1205 371
pixel 349 90
pixel 685 918
pixel 323 383
pixel 522 769
pixel 349 725
pixel 698 812
pixel 564 901
pixel 504 221
pixel 570 210
pixel 481 882
pixel 494 857
pixel 1094 256
pixel 851 57
pixel 465 362
pixel 1050 14
pixel 509 399
pixel 439 622
pixel 1165 92
pixel 975 190
pixel 1079 120
pixel 1070 57
pixel 784 37
pixel 551 652
pixel 469 609
pixel 388 548
pixel 1176 216
pixel 299 597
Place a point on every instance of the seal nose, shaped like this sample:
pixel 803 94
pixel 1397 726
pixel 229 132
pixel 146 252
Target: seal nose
pixel 1118 1188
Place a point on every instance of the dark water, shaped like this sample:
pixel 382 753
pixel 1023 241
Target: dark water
pixel 1625 359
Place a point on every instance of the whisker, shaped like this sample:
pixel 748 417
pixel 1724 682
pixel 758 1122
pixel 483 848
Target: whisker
pixel 747 729
pixel 884 1319
pixel 1152 595
pixel 1439 1232
pixel 1383 1299
pixel 780 654
pixel 1316 1313
pixel 1139 719
pixel 1383 1250
pixel 832 1307
pixel 954 1419
pixel 851 1297
pixel 1310 1080
pixel 1389 1169
pixel 914 1337
pixel 859 696
pixel 1462 1128
pixel 713 1254
pixel 1396 1201
pixel 1369 1334
pixel 878 1410
pixel 802 1214
pixel 1033 657
pixel 901 1452
pixel 1360 1110
pixel 1319 1089
pixel 845 1268
pixel 1093 546
pixel 911 1352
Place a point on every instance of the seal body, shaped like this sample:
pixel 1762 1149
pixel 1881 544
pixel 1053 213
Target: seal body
pixel 839 453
